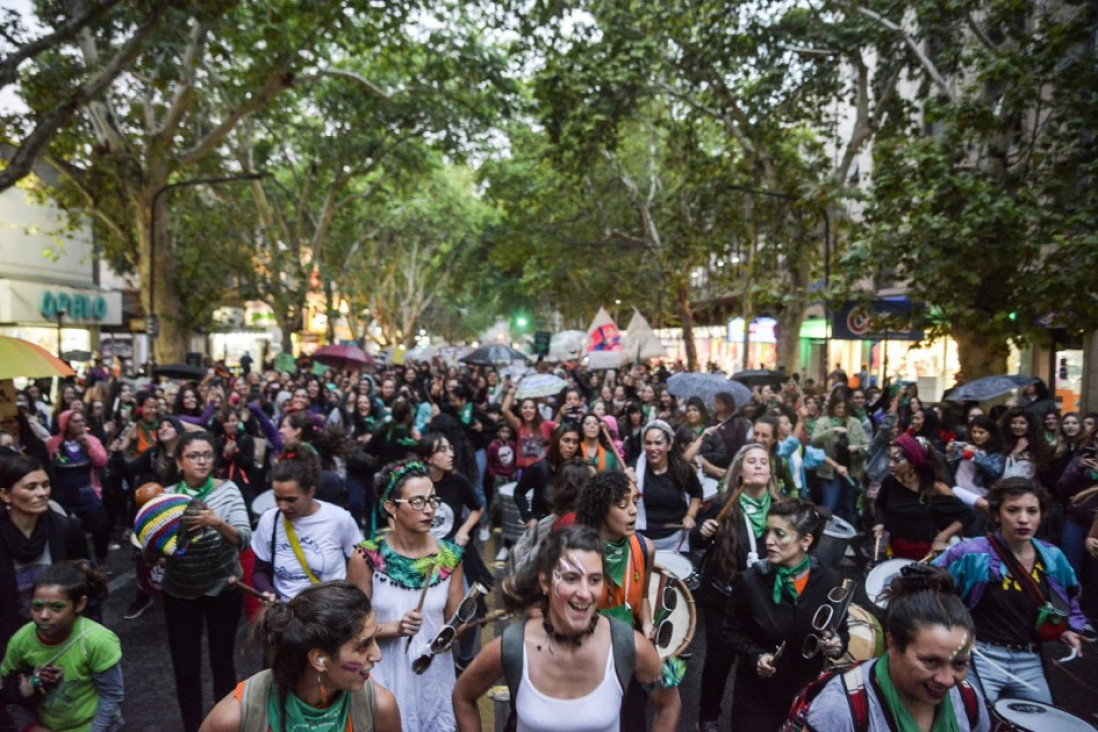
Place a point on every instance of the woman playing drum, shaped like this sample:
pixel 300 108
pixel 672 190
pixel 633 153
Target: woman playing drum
pixel 777 604
pixel 1020 590
pixel 670 490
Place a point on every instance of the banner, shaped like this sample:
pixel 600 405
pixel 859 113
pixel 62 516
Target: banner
pixel 861 322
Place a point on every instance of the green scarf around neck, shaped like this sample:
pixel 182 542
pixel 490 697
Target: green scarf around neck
pixel 944 718
pixel 617 560
pixel 756 509
pixel 785 579
pixel 200 492
pixel 301 717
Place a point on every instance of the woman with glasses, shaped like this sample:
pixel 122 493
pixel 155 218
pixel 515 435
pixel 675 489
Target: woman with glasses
pixel 919 511
pixel 415 583
pixel 197 589
pixel 775 606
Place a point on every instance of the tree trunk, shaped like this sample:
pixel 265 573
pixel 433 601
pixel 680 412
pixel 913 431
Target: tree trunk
pixel 161 289
pixel 686 312
pixel 789 320
pixel 981 354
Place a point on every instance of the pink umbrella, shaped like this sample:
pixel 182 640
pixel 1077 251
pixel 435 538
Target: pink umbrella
pixel 343 358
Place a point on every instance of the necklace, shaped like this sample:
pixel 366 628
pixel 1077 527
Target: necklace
pixel 561 639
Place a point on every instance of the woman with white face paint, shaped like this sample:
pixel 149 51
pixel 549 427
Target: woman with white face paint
pixel 567 661
pixel 773 604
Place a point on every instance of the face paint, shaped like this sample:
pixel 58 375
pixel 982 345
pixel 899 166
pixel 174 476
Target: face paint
pixel 566 566
pixel 351 667
pixel 962 648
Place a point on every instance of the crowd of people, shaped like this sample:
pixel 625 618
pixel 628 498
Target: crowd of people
pixel 357 519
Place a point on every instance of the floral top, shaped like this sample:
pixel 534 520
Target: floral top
pixel 411 573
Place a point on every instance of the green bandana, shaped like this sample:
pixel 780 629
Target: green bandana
pixel 300 717
pixel 617 560
pixel 199 493
pixel 466 414
pixel 944 718
pixel 756 510
pixel 785 578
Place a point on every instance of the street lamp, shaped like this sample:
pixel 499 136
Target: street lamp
pixel 152 322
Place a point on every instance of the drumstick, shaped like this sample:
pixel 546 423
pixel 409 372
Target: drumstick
pixel 422 598
pixel 876 548
pixel 248 589
pixel 610 439
pixel 928 557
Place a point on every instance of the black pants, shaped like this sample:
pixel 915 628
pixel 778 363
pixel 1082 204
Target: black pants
pixel 221 614
pixel 96 523
pixel 719 658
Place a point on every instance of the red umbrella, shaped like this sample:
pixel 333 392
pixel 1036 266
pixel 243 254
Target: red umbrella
pixel 343 358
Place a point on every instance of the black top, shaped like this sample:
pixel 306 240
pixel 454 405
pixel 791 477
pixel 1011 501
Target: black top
pixel 1006 614
pixel 733 433
pixel 912 517
pixel 754 626
pixel 455 493
pixel 664 502
pixel 715 586
pixel 535 478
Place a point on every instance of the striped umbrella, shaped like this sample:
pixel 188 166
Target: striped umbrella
pixel 23 358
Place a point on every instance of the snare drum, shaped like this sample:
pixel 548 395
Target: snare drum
pixel 510 518
pixel 666 592
pixel 880 577
pixel 1022 715
pixel 263 502
pixel 680 566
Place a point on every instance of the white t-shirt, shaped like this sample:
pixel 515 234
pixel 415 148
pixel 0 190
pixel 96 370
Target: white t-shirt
pixel 327 539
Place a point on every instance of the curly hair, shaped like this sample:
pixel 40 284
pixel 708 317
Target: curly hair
pixel 602 491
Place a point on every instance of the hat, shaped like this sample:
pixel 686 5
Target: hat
pixel 915 453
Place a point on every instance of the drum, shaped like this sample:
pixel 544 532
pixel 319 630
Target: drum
pixel 879 578
pixel 1022 715
pixel 838 535
pixel 867 638
pixel 263 502
pixel 674 612
pixel 510 518
pixel 709 489
pixel 680 566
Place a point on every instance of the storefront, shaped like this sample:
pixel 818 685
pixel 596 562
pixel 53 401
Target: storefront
pixel 60 318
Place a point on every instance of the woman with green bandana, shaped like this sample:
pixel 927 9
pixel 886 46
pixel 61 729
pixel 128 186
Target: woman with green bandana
pixel 774 603
pixel 726 548
pixel 919 684
pixel 321 647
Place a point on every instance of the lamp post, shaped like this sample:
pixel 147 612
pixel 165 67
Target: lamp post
pixel 827 268
pixel 152 322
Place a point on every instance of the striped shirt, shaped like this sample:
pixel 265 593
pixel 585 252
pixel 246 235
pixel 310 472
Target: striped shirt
pixel 209 561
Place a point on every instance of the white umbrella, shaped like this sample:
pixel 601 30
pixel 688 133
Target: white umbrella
pixel 540 385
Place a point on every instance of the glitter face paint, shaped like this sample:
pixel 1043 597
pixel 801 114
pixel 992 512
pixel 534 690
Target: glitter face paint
pixel 352 667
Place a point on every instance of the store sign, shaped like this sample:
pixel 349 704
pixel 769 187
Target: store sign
pixel 73 306
pixel 33 302
pixel 870 322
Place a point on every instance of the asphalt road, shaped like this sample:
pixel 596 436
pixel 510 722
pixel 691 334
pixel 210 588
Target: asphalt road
pixel 150 690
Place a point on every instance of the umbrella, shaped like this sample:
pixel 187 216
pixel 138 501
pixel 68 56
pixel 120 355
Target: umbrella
pixel 540 385
pixel 343 358
pixel 989 387
pixel 567 345
pixel 23 358
pixel 706 387
pixel 180 371
pixel 491 355
pixel 761 377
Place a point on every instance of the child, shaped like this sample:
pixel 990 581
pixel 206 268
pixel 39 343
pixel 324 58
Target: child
pixel 65 666
pixel 502 469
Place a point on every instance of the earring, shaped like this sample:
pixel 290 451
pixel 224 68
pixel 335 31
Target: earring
pixel 323 690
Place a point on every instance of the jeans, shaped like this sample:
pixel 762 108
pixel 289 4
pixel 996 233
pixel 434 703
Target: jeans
pixel 838 497
pixel 478 487
pixel 221 614
pixel 1074 545
pixel 989 663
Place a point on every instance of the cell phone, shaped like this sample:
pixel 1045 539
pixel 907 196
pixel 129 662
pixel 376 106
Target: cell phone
pixel 1090 452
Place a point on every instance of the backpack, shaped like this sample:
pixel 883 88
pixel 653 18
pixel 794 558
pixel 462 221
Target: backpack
pixel 857 698
pixel 621 643
pixel 257 690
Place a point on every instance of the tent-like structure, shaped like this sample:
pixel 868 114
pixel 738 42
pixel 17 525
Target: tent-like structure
pixel 640 341
pixel 603 342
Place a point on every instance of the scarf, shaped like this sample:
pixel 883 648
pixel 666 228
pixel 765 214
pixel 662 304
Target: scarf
pixel 198 494
pixel 944 718
pixel 756 510
pixel 617 560
pixel 22 547
pixel 302 717
pixel 785 579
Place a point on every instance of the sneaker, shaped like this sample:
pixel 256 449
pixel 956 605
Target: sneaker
pixel 483 534
pixel 137 608
pixel 503 553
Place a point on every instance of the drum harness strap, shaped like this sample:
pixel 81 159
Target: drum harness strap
pixel 622 646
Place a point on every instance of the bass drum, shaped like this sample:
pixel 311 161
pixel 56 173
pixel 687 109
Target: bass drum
pixel 867 638
pixel 879 578
pixel 680 566
pixel 1022 715
pixel 673 611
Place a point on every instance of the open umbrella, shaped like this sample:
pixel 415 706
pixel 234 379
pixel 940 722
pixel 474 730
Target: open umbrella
pixel 761 377
pixel 23 358
pixel 706 387
pixel 492 355
pixel 988 387
pixel 184 371
pixel 343 358
pixel 540 385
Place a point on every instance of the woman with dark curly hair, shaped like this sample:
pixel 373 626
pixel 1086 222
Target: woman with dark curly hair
pixel 320 647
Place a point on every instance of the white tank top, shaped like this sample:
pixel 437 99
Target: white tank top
pixel 599 711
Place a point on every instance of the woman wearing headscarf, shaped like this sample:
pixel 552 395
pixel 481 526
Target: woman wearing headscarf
pixel 670 491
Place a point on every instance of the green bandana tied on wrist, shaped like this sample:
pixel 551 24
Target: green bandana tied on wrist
pixel 301 717
pixel 756 510
pixel 944 718
pixel 785 578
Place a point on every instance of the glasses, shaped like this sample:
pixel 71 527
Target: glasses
pixel 54 605
pixel 418 503
pixel 199 457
